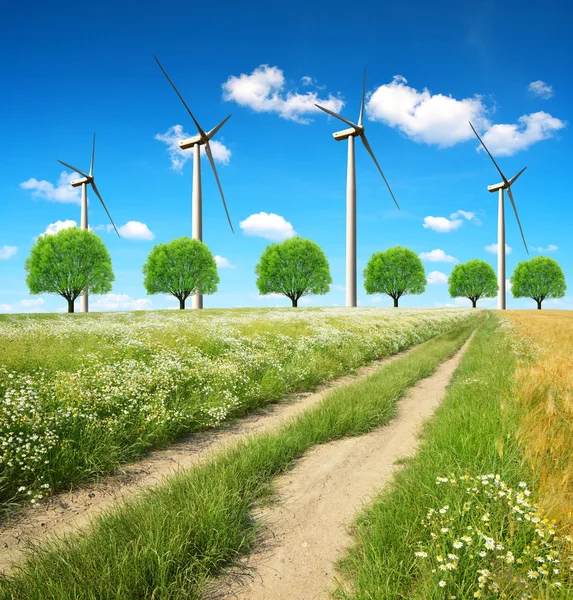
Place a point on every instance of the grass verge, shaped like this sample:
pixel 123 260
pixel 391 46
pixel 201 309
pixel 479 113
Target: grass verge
pixel 170 542
pixel 460 520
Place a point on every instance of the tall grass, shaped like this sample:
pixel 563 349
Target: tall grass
pixel 169 543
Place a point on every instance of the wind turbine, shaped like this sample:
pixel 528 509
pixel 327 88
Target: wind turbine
pixel 84 181
pixel 500 187
pixel 350 134
pixel 202 139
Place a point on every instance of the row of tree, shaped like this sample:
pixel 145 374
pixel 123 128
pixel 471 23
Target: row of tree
pixel 74 259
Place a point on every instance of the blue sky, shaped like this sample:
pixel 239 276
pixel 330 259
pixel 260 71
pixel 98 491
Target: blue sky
pixel 89 67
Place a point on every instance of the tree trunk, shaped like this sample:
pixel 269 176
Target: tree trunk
pixel 70 305
pixel 539 304
pixel 395 302
pixel 294 302
pixel 474 303
pixel 181 303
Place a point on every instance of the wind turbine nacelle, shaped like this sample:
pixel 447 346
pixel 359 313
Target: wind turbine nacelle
pixel 78 182
pixel 190 142
pixel 345 134
pixel 496 187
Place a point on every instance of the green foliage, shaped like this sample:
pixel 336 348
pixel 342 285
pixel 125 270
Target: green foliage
pixel 296 267
pixel 395 272
pixel 538 278
pixel 474 280
pixel 181 267
pixel 67 262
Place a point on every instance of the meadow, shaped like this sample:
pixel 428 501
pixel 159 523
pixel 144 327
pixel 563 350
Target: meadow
pixel 81 395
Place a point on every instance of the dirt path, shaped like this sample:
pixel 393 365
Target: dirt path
pixel 72 511
pixel 306 532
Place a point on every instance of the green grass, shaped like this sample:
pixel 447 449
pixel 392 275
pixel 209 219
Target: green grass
pixel 169 543
pixel 472 434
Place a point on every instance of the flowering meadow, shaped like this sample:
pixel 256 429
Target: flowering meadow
pixel 81 395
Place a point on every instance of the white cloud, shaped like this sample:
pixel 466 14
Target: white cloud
pixel 506 140
pixel 264 91
pixel 32 302
pixel 133 230
pixel 426 117
pixel 437 278
pixel 550 248
pixel 223 263
pixel 306 80
pixel 269 226
pixel 120 302
pixel 58 226
pixel 470 216
pixel 7 252
pixel 438 255
pixel 61 192
pixel 178 157
pixel 442 224
pixel 6 307
pixel 541 89
pixel 492 249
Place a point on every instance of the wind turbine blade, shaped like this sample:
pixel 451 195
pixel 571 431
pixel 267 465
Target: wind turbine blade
pixel 514 178
pixel 333 114
pixel 213 131
pixel 210 157
pixel 369 149
pixel 105 207
pixel 73 168
pixel 363 96
pixel 93 156
pixel 203 134
pixel 492 158
pixel 517 217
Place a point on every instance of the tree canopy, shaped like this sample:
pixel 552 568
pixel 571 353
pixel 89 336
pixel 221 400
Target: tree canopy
pixel 296 267
pixel 474 280
pixel 181 267
pixel 395 272
pixel 68 262
pixel 538 278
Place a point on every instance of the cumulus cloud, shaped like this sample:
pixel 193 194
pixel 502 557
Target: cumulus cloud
pixel 426 117
pixel 470 216
pixel 58 226
pixel 120 302
pixel 492 249
pixel 442 224
pixel 6 307
pixel 437 278
pixel 223 263
pixel 263 90
pixel 133 230
pixel 178 157
pixel 61 192
pixel 541 89
pixel 7 252
pixel 437 255
pixel 506 140
pixel 550 248
pixel 269 226
pixel 32 302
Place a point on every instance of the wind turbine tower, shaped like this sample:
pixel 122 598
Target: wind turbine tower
pixel 87 179
pixel 499 188
pixel 202 139
pixel 349 134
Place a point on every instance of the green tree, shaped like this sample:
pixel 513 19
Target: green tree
pixel 538 278
pixel 296 267
pixel 68 262
pixel 396 272
pixel 181 267
pixel 473 280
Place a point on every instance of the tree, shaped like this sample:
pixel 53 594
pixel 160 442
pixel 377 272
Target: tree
pixel 473 280
pixel 296 267
pixel 538 278
pixel 181 267
pixel 68 262
pixel 396 272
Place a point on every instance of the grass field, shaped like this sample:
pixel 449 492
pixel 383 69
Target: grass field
pixel 467 517
pixel 169 543
pixel 83 394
